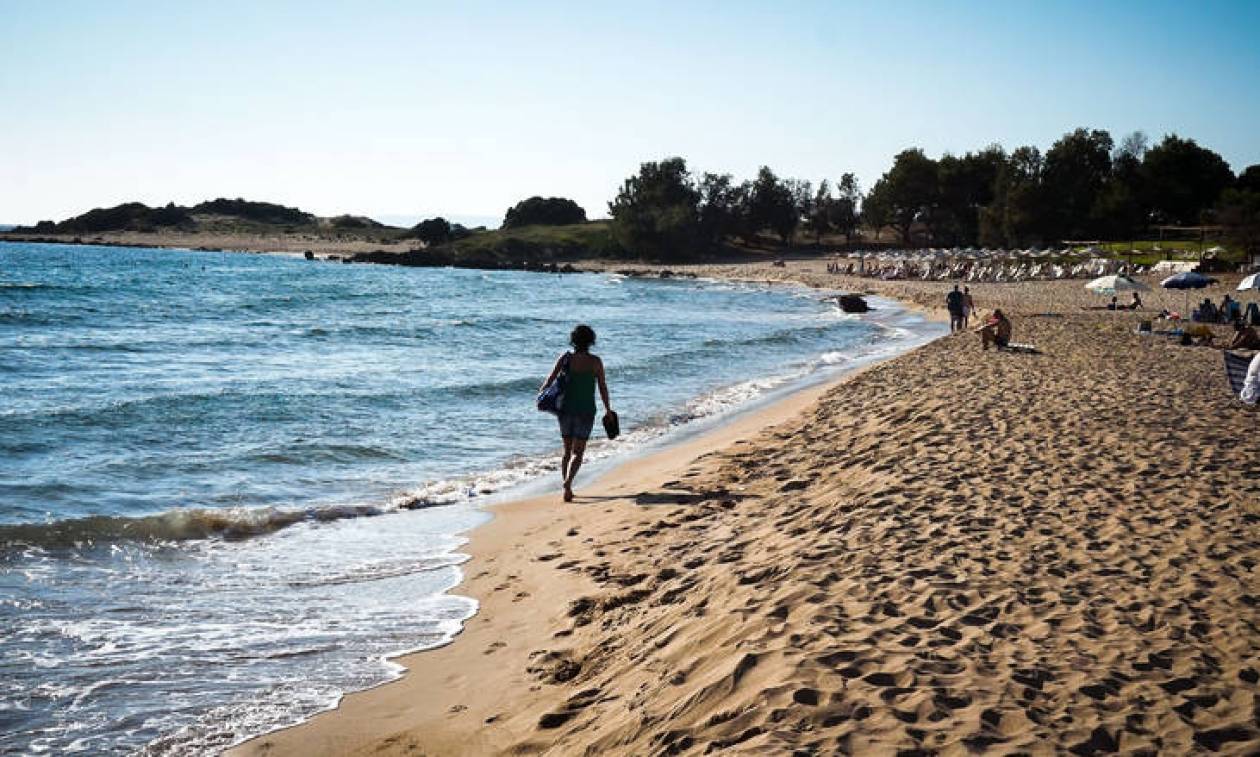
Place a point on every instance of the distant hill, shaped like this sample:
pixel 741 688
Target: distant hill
pixel 214 216
pixel 7 226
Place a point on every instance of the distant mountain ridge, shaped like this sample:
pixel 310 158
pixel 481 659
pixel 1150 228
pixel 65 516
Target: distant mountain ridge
pixel 218 215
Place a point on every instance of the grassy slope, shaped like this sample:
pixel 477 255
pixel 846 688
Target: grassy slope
pixel 558 242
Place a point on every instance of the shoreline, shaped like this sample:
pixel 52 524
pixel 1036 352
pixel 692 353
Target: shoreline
pixel 496 551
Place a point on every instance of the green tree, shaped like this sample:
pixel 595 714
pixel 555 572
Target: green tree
pixel 656 212
pixel 965 185
pixel 1249 179
pixel 721 207
pixel 1183 179
pixel 1120 210
pixel 802 193
pixel 1076 170
pixel 773 205
pixel 1239 214
pixel 845 210
pixel 829 211
pixel 1018 215
pixel 544 211
pixel 821 217
pixel 876 213
pixel 908 191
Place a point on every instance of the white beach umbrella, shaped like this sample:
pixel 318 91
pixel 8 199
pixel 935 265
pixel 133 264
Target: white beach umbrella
pixel 1116 283
pixel 1250 282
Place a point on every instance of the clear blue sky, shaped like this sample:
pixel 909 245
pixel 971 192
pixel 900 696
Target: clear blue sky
pixel 463 108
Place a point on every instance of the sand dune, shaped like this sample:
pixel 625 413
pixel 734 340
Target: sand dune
pixel 951 552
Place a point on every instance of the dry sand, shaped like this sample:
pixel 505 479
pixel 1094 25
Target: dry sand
pixel 953 551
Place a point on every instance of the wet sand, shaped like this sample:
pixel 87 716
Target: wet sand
pixel 950 552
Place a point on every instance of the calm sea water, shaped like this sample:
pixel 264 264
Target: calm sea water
pixel 232 485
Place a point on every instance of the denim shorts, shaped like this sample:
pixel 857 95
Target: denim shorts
pixel 576 426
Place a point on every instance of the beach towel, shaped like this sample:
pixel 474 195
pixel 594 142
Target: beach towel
pixel 1023 349
pixel 1244 376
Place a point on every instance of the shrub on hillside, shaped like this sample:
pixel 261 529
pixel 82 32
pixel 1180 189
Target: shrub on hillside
pixel 260 212
pixel 544 211
pixel 433 231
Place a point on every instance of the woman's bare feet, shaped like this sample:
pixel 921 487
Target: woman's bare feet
pixel 568 494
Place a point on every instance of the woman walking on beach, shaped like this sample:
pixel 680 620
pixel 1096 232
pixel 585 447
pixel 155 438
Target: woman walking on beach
pixel 577 413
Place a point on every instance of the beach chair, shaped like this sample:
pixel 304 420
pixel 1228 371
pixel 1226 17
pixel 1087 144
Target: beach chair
pixel 1236 370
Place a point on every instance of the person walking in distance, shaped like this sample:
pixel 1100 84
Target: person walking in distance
pixel 577 412
pixel 954 304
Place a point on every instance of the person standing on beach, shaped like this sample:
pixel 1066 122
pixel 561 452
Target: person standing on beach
pixel 954 304
pixel 969 306
pixel 577 412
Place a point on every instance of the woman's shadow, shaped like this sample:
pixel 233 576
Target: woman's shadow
pixel 668 497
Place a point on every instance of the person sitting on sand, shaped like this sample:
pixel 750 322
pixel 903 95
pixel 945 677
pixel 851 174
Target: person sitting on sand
pixel 1230 310
pixel 1206 313
pixel 1113 305
pixel 1245 337
pixel 1136 303
pixel 577 414
pixel 996 330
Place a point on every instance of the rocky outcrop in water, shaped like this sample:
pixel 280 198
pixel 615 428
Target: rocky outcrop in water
pixel 852 303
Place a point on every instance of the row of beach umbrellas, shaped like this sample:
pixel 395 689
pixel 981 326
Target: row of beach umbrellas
pixel 1118 282
pixel 1110 285
pixel 973 253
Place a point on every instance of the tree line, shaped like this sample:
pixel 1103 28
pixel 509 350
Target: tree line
pixel 665 211
pixel 1085 186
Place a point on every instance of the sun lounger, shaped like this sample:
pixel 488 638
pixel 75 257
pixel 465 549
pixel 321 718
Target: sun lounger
pixel 1236 367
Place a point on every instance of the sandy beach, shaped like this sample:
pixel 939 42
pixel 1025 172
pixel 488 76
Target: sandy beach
pixel 953 551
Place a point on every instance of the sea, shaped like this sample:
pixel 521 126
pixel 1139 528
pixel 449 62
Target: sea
pixel 233 486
